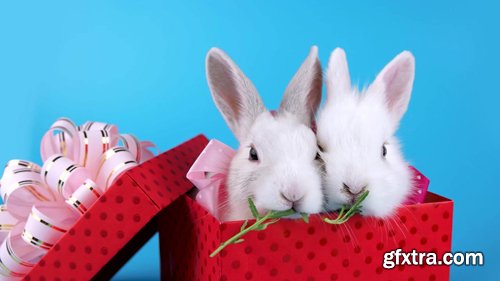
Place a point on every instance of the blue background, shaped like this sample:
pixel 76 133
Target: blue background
pixel 140 65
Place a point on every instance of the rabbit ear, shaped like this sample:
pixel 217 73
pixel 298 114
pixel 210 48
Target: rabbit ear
pixel 234 95
pixel 338 81
pixel 395 82
pixel 303 93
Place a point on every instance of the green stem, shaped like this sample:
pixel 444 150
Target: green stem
pixel 261 223
pixel 236 237
pixel 355 208
pixel 357 204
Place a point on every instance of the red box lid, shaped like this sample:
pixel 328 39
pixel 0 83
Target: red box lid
pixel 121 221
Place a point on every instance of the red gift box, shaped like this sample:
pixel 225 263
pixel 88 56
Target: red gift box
pixel 122 220
pixel 293 250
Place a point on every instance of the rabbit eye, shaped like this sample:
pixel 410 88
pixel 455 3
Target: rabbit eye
pixel 253 154
pixel 384 150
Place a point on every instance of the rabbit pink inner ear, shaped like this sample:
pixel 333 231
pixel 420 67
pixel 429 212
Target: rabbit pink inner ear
pixel 303 93
pixel 233 93
pixel 338 80
pixel 395 82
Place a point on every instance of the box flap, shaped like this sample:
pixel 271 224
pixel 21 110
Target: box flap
pixel 163 178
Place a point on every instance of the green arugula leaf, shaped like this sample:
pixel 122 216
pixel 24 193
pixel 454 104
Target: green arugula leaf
pixel 305 217
pixel 253 209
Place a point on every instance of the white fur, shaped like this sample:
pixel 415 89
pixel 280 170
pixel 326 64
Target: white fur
pixel 285 143
pixel 353 127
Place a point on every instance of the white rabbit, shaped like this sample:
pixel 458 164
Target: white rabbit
pixel 356 136
pixel 275 163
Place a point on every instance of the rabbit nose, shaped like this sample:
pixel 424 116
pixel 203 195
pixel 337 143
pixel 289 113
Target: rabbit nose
pixel 354 190
pixel 292 197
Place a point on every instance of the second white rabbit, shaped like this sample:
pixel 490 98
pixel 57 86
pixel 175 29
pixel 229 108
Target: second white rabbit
pixel 356 135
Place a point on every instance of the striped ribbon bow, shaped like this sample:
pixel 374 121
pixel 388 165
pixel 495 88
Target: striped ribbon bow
pixel 42 203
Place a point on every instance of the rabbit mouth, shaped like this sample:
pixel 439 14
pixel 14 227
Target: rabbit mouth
pixel 352 196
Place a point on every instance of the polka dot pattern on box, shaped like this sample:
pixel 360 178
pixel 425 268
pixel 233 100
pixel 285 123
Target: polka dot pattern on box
pixel 291 250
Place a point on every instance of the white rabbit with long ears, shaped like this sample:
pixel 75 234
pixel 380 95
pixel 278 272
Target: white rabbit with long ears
pixel 356 136
pixel 275 163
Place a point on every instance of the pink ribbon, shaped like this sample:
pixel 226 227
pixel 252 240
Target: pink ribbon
pixel 210 170
pixel 208 174
pixel 42 203
pixel 420 187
